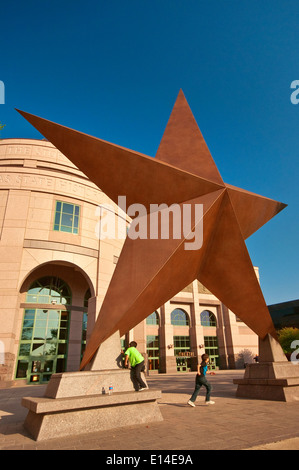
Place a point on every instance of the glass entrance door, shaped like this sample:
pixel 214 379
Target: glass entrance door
pixel 152 349
pixel 183 364
pixel 182 352
pixel 43 345
pixel 211 348
pixel 41 370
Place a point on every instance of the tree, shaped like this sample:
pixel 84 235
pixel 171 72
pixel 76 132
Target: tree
pixel 286 336
pixel 1 127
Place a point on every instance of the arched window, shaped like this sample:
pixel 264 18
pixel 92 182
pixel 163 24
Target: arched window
pixel 153 319
pixel 45 331
pixel 207 318
pixel 179 317
pixel 49 289
pixel 86 298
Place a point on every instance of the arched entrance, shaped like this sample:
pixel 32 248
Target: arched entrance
pixel 209 322
pixel 45 331
pixel 152 342
pixel 181 342
pixel 53 330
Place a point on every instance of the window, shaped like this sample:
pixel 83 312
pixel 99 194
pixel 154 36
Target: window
pixel 181 345
pixel 45 331
pixel 43 344
pixel 123 344
pixel 84 322
pixel 182 352
pixel 47 290
pixel 207 318
pixel 211 348
pixel 153 319
pixel 152 348
pixel 66 217
pixel 179 317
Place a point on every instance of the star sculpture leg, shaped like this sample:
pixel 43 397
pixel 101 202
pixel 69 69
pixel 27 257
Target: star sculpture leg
pixel 152 270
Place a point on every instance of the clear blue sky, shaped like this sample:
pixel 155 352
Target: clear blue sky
pixel 113 69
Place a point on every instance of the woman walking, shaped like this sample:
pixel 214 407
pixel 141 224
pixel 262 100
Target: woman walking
pixel 202 381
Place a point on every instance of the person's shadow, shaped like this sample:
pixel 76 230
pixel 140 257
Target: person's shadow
pixel 120 361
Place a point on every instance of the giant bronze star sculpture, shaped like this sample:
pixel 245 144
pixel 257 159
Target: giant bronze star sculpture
pixel 150 271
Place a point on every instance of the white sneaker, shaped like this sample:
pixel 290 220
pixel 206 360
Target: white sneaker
pixel 210 402
pixel 190 403
pixel 140 390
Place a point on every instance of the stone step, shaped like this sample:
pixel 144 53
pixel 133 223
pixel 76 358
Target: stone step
pixel 50 405
pixel 285 382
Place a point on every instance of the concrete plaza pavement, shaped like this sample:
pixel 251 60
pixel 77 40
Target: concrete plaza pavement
pixel 231 424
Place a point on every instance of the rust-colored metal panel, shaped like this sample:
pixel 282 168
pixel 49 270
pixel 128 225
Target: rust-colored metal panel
pixel 252 211
pixel 183 145
pixel 181 269
pixel 118 171
pixel 151 270
pixel 227 271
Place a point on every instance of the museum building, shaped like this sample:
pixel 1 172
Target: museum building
pixel 55 271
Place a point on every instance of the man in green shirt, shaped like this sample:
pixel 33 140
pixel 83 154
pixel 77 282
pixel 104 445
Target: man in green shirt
pixel 137 366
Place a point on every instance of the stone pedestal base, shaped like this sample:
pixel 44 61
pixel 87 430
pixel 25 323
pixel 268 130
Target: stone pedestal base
pixel 269 387
pixel 273 378
pixel 74 403
pixel 78 384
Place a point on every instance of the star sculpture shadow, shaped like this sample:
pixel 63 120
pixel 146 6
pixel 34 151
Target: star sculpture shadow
pixel 151 270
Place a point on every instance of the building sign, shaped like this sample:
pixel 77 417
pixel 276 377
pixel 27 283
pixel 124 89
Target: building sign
pixel 45 183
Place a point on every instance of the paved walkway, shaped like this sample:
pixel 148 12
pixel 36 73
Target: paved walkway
pixel 230 424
